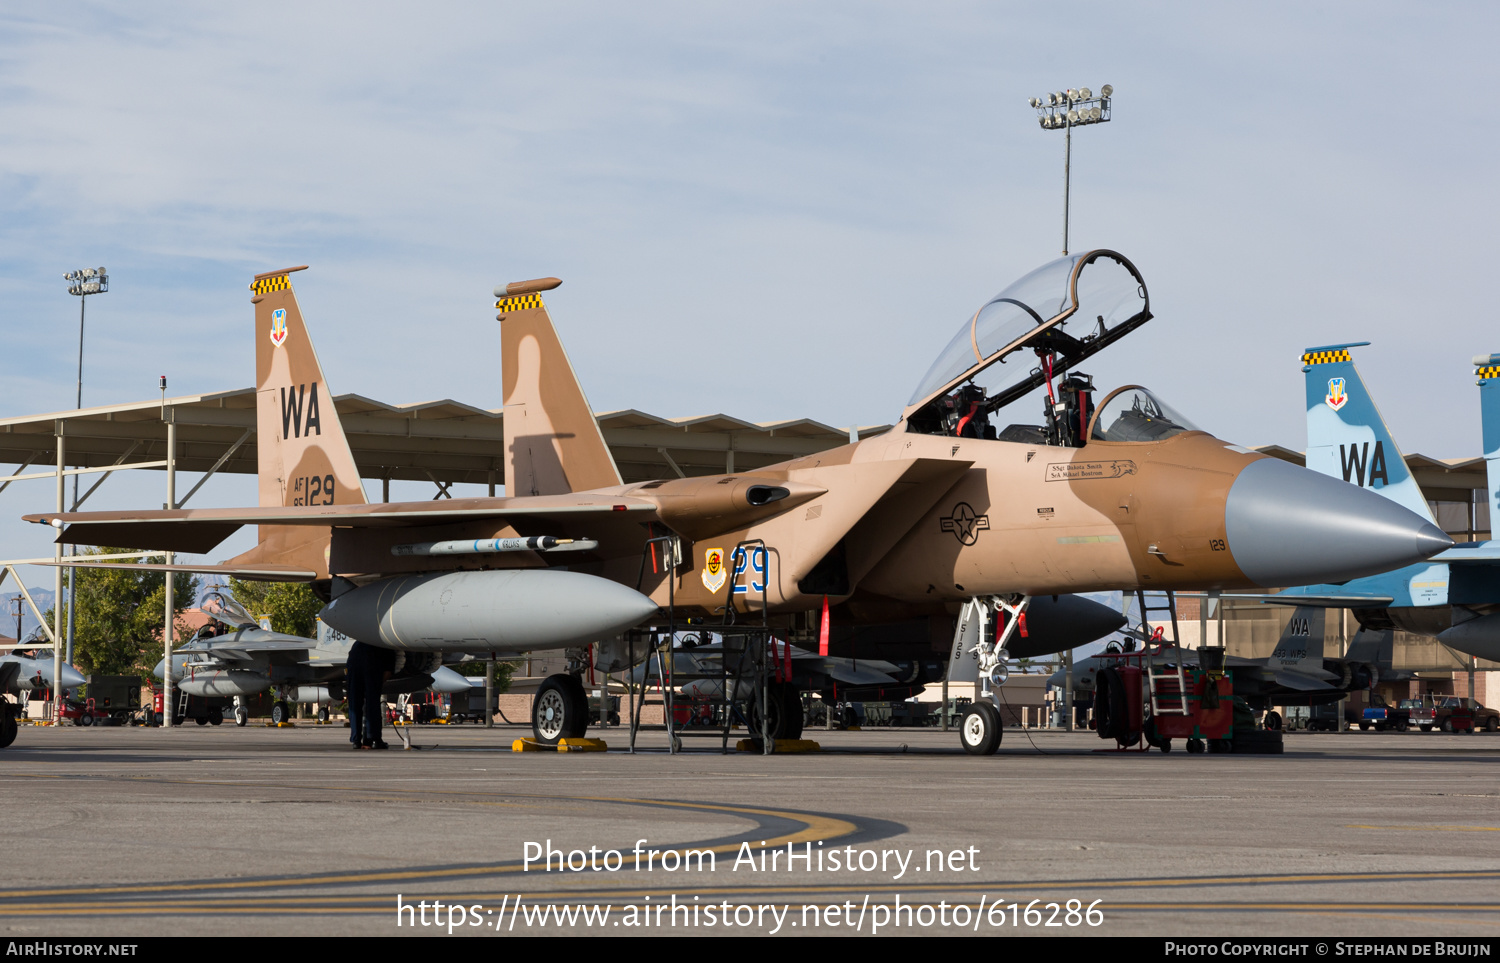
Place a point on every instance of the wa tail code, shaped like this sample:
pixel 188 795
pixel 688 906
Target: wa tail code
pixel 292 423
pixel 1354 459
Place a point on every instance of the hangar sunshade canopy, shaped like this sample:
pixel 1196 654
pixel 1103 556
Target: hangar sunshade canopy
pixel 438 441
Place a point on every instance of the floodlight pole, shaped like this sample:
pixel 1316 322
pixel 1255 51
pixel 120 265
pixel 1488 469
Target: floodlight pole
pixel 1067 189
pixel 1068 109
pixel 86 281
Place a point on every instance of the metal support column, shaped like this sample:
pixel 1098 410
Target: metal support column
pixel 170 588
pixel 1068 691
pixel 57 581
pixel 489 692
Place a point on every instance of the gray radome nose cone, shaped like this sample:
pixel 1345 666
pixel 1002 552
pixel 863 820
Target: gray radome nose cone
pixel 1292 526
pixel 71 677
pixel 160 669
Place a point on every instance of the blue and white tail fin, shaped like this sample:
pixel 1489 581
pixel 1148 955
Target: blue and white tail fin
pixel 1346 437
pixel 1487 370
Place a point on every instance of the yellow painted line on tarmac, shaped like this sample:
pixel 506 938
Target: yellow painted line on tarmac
pixel 814 828
pixel 1433 829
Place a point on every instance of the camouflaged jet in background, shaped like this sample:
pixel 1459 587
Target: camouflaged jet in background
pixel 895 530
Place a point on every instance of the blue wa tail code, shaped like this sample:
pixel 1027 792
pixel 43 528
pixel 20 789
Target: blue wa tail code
pixel 1346 436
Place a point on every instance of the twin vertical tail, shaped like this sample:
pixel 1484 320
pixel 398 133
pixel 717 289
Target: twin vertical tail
pixel 1346 436
pixel 553 444
pixel 1487 370
pixel 304 457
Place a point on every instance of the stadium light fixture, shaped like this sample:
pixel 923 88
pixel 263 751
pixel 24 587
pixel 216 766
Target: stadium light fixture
pixel 1074 107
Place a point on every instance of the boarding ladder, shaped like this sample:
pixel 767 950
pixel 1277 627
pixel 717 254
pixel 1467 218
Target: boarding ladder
pixel 1166 682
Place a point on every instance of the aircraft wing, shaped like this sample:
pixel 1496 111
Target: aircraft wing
pixel 1342 600
pixel 1301 683
pixel 852 672
pixel 199 530
pixel 1469 552
pixel 241 651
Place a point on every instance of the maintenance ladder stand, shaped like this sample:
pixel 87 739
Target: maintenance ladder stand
pixel 1168 687
pixel 747 646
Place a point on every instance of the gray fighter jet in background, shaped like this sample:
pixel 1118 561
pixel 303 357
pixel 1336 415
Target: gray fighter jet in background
pixel 1296 673
pixel 248 659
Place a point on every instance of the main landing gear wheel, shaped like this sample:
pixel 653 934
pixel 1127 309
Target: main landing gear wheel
pixel 323 714
pixel 8 726
pixel 560 710
pixel 786 717
pixel 280 712
pixel 980 730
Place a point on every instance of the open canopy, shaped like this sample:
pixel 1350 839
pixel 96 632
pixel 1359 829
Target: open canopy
pixel 1073 306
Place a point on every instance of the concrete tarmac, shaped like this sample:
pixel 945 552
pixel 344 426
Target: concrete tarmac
pixel 224 831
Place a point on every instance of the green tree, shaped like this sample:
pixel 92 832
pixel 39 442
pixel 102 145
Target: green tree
pixel 503 671
pixel 292 606
pixel 118 627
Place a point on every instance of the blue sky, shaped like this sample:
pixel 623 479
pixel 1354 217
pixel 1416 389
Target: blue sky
pixel 772 210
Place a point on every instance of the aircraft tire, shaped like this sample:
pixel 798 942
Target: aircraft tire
pixel 280 712
pixel 1104 684
pixel 580 725
pixel 980 731
pixel 786 716
pixel 791 712
pixel 242 717
pixel 559 710
pixel 8 725
pixel 1273 721
pixel 323 714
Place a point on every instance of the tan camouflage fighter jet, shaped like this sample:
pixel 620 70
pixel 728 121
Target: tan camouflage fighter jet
pixel 895 529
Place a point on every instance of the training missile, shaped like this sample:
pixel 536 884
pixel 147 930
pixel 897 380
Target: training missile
pixel 508 610
pixel 484 546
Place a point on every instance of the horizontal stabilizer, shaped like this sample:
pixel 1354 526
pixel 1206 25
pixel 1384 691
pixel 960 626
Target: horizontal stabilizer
pixel 1302 683
pixel 251 573
pixel 199 530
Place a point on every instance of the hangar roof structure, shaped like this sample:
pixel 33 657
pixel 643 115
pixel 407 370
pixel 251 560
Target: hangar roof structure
pixel 442 441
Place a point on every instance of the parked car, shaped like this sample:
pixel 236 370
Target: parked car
pixel 1457 713
pixel 1382 715
pixel 1422 710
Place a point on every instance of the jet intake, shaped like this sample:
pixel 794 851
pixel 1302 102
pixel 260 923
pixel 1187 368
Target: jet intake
pixel 706 506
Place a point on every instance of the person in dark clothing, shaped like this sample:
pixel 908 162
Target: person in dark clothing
pixel 380 665
pixel 356 685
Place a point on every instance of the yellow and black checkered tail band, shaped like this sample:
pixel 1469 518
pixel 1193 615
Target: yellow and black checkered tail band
pixel 1489 371
pixel 1325 357
pixel 519 303
pixel 266 285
